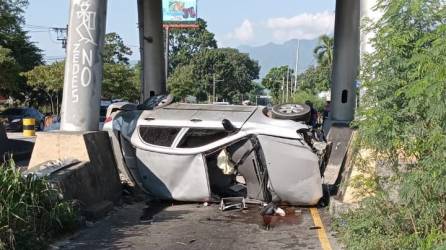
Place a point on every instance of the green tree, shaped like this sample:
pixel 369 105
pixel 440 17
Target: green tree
pixel 9 71
pixel 48 79
pixel 275 81
pixel 16 40
pixel 185 43
pixel 324 51
pixel 235 70
pixel 115 50
pixel 182 82
pixel 403 115
pixel 232 71
pixel 302 96
pixel 315 79
pixel 121 81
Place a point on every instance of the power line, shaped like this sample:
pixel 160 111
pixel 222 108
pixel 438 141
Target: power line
pixel 61 33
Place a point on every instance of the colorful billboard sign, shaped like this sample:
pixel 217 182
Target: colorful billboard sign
pixel 179 11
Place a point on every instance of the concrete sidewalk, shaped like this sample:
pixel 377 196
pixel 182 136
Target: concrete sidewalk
pixel 193 226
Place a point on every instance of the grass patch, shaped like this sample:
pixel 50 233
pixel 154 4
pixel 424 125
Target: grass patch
pixel 32 211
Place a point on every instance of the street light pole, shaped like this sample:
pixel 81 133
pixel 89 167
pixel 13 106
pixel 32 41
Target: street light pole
pixel 214 82
pixel 283 90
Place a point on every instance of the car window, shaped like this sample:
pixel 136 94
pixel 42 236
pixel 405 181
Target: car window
pixel 159 136
pixel 199 137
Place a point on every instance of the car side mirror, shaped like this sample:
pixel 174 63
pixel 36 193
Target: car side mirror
pixel 228 126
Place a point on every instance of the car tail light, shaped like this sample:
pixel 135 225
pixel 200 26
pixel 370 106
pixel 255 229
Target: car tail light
pixel 108 119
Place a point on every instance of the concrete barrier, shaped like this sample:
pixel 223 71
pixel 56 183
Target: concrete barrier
pixel 94 181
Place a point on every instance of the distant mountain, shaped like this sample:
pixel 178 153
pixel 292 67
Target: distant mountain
pixel 273 55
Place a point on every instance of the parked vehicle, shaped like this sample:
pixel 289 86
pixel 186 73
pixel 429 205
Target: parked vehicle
pixel 13 118
pixel 200 152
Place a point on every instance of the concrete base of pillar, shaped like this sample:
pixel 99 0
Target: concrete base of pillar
pixel 94 180
pixel 351 192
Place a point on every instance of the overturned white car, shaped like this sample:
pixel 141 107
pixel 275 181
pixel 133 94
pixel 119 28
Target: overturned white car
pixel 195 152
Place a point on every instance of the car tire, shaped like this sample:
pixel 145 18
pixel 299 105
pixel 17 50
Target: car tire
pixel 291 111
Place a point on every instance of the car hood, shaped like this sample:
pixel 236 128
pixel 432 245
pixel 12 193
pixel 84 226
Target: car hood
pixel 10 117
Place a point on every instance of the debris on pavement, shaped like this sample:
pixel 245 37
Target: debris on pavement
pixel 49 167
pixel 279 211
pixel 232 203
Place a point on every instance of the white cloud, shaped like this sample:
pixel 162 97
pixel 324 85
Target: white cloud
pixel 243 33
pixel 303 26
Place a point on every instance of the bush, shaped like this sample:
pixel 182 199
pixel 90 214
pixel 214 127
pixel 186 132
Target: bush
pixel 403 120
pixel 302 96
pixel 31 210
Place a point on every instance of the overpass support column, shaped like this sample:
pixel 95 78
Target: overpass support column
pixel 346 60
pixel 83 65
pixel 369 16
pixel 152 44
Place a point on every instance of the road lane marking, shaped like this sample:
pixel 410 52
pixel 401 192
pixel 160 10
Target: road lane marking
pixel 321 230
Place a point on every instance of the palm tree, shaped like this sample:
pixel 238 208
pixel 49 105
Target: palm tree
pixel 324 52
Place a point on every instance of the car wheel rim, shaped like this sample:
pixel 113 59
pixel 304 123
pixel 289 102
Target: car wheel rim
pixel 291 109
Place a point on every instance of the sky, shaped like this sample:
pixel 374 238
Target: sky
pixel 234 22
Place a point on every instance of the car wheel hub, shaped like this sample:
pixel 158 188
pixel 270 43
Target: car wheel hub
pixel 291 109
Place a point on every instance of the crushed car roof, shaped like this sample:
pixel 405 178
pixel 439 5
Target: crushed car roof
pixel 202 112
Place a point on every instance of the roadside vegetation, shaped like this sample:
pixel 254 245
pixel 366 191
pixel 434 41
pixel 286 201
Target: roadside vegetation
pixel 32 211
pixel 403 122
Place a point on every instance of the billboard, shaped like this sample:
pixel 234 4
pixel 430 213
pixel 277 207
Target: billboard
pixel 179 11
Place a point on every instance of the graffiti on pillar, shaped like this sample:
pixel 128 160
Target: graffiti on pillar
pixel 83 49
pixel 87 24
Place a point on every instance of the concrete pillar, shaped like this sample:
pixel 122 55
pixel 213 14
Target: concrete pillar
pixel 83 66
pixel 346 60
pixel 152 44
pixel 368 16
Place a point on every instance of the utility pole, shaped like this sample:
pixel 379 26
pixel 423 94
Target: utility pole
pixel 283 90
pixel 287 83
pixel 214 82
pixel 61 35
pixel 296 68
pixel 166 50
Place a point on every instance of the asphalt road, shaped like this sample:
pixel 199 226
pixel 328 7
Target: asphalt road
pixel 21 148
pixel 193 226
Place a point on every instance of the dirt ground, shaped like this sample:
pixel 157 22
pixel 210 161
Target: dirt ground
pixel 194 226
